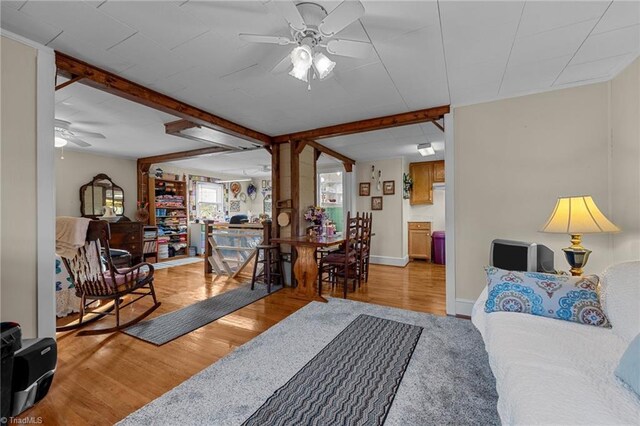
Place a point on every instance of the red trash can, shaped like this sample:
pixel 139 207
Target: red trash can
pixel 438 247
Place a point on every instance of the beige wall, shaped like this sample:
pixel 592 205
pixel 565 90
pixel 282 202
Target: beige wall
pixel 388 244
pixel 18 289
pixel 513 158
pixel 79 168
pixel 625 162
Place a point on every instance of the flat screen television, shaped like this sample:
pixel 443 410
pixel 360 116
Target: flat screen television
pixel 521 256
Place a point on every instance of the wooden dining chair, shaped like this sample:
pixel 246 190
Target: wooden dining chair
pixel 343 264
pixel 365 253
pixel 97 280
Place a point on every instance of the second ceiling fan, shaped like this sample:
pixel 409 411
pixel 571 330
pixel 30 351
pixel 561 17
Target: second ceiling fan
pixel 312 30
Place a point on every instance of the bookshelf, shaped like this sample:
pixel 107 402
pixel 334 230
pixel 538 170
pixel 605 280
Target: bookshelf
pixel 150 243
pixel 168 211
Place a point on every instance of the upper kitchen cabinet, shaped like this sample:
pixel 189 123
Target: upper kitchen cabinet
pixel 438 171
pixel 422 176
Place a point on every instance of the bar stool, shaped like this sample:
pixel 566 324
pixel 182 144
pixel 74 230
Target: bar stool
pixel 271 261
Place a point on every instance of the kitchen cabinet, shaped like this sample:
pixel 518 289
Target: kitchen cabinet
pixel 438 171
pixel 419 240
pixel 422 176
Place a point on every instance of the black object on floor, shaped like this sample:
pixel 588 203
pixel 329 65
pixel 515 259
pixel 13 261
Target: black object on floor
pixel 351 381
pixel 11 342
pixel 33 368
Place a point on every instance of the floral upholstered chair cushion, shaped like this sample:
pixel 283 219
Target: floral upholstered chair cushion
pixel 555 296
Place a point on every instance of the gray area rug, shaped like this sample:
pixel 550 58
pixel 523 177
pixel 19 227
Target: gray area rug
pixel 447 381
pixel 165 328
pixel 351 381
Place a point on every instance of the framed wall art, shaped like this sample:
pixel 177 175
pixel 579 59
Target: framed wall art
pixel 365 189
pixel 389 187
pixel 376 203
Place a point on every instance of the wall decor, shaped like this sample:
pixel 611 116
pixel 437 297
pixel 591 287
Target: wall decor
pixel 379 180
pixel 235 189
pixel 234 206
pixel 252 191
pixel 373 172
pixel 376 203
pixel 365 189
pixel 389 187
pixel 243 197
pixel 407 184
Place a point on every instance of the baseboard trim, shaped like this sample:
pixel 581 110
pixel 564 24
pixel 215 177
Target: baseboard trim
pixel 464 307
pixel 389 261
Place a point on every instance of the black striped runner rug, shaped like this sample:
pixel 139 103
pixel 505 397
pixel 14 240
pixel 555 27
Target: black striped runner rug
pixel 351 381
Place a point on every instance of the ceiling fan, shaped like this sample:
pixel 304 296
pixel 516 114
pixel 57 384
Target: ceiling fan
pixel 264 168
pixel 65 133
pixel 312 29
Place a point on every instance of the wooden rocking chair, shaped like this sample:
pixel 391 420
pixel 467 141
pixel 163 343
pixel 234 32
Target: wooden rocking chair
pixel 94 283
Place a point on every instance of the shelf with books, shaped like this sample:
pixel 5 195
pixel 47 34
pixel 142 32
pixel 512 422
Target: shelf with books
pixel 168 212
pixel 150 243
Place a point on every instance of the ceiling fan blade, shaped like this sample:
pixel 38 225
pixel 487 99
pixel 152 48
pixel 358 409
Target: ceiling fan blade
pixel 255 38
pixel 282 66
pixel 354 49
pixel 88 134
pixel 347 12
pixel 291 14
pixel 79 142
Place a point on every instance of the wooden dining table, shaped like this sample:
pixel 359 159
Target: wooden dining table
pixel 305 268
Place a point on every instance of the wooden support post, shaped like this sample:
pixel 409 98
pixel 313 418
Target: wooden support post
pixel 275 187
pixel 295 187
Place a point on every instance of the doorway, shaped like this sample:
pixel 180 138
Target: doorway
pixel 331 196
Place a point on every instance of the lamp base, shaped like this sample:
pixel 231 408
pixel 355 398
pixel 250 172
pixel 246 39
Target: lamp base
pixel 577 259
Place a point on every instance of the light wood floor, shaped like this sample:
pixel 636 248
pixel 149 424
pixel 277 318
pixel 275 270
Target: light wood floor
pixel 101 379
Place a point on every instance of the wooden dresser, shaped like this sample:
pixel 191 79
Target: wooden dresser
pixel 420 240
pixel 128 236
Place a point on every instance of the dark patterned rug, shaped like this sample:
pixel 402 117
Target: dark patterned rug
pixel 352 381
pixel 165 328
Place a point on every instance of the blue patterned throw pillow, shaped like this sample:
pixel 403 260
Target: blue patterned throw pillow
pixel 554 296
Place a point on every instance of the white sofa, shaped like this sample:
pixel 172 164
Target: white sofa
pixel 550 371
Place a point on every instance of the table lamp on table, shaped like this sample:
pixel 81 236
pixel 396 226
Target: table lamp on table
pixel 576 216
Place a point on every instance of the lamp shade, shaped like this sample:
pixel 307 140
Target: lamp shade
pixel 577 215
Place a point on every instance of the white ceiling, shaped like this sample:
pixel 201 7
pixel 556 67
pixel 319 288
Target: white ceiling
pixel 390 143
pixel 426 54
pixel 250 164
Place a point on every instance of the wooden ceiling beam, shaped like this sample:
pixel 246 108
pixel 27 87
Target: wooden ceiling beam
pixel 346 161
pixel 396 120
pixel 68 82
pixel 438 125
pixel 181 155
pixel 127 89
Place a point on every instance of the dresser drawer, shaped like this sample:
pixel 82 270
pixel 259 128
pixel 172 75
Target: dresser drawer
pixel 425 226
pixel 125 233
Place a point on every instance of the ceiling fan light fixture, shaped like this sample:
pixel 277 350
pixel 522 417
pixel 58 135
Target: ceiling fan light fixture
pixel 59 142
pixel 300 72
pixel 302 56
pixel 425 149
pixel 323 65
